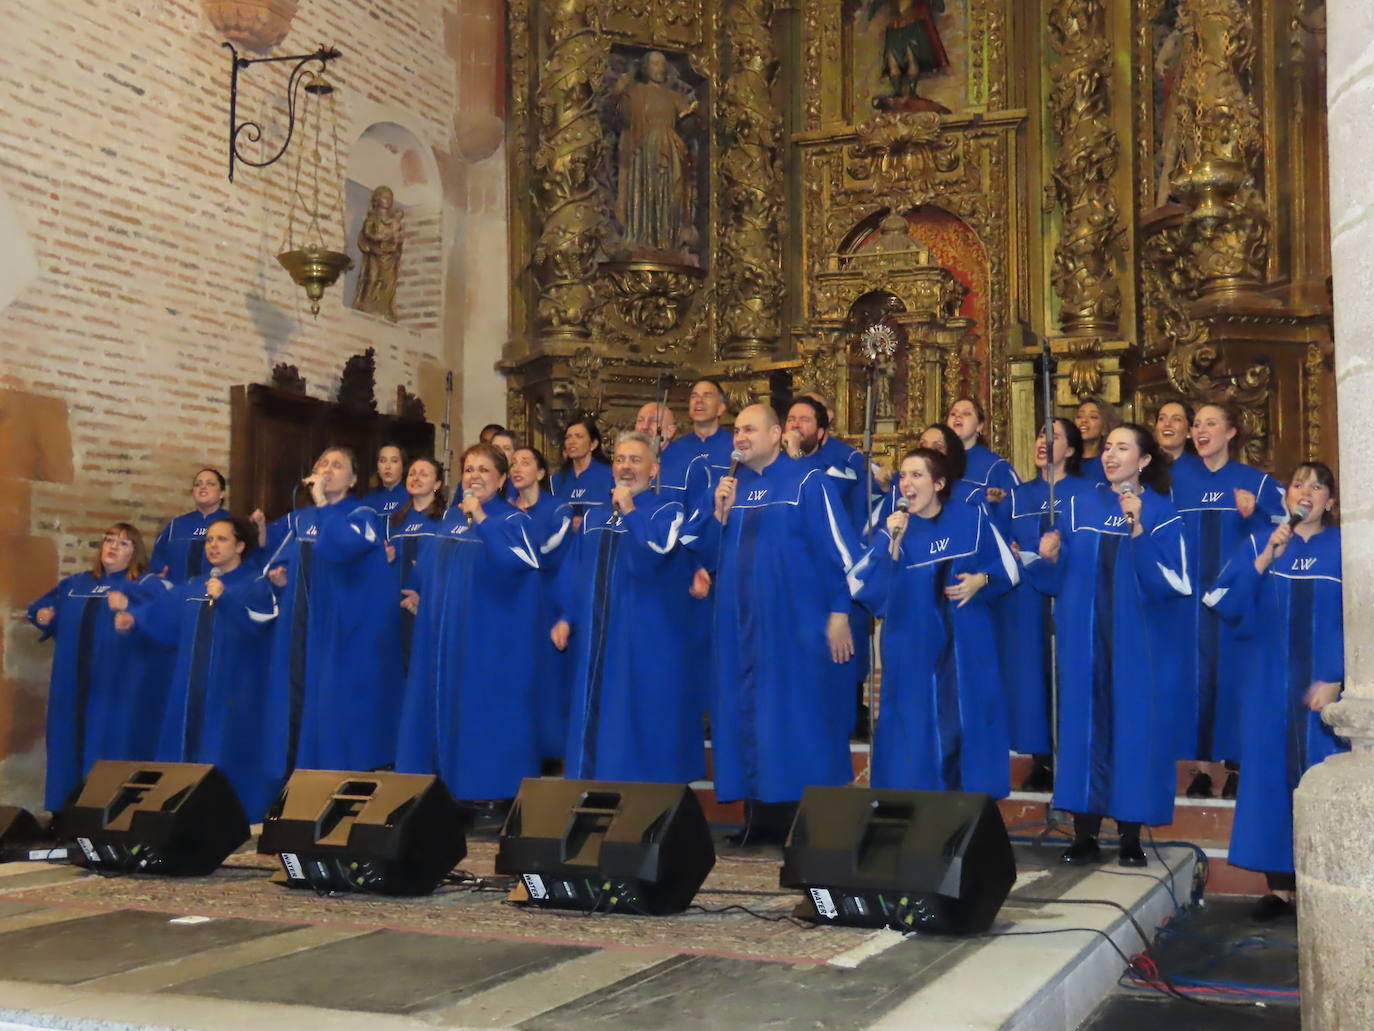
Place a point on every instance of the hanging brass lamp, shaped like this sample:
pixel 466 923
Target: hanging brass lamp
pixel 312 264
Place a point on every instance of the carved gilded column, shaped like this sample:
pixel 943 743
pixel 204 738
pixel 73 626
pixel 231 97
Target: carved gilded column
pixel 750 283
pixel 1220 147
pixel 565 166
pixel 1084 273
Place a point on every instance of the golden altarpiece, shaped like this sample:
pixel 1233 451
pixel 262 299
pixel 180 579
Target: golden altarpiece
pixel 738 188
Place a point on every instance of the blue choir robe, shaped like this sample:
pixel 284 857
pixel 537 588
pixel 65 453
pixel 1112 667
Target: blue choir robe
pixel 986 468
pixel 290 544
pixel 406 537
pixel 942 719
pixel 550 533
pixel 637 693
pixel 107 689
pixel 781 709
pixel 386 502
pixel 468 708
pixel 1092 471
pixel 684 477
pixel 1116 621
pixel 216 704
pixel 592 486
pixel 1289 620
pixel 848 477
pixel 1022 619
pixel 1207 696
pixel 717 448
pixel 180 545
pixel 352 681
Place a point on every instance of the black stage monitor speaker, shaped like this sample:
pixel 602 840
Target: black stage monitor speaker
pixel 180 819
pixel 627 847
pixel 386 833
pixel 934 861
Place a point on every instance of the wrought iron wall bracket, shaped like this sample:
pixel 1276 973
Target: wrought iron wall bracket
pixel 252 131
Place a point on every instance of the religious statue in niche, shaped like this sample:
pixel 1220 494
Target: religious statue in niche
pixel 912 49
pixel 655 189
pixel 380 240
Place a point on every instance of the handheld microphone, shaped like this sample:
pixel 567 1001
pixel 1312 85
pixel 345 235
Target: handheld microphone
pixel 736 457
pixel 1128 489
pixel 1300 513
pixel 902 505
pixel 469 493
pixel 215 574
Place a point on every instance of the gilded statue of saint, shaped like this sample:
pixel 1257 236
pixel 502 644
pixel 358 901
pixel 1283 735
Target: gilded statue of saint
pixel 654 193
pixel 379 240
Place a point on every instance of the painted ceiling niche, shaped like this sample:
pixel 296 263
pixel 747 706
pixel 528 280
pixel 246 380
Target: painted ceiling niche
pixel 393 228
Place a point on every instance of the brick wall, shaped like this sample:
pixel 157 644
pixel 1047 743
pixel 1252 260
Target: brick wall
pixel 158 287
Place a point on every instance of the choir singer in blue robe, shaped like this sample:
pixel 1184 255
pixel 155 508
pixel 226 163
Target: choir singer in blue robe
pixel 344 601
pixel 985 470
pixel 218 625
pixel 637 698
pixel 107 690
pixel 932 574
pixel 1023 619
pixel 585 478
pixel 1119 569
pixel 549 532
pixel 467 709
pixel 1281 592
pixel 410 528
pixel 782 679
pixel 1222 502
pixel 179 550
pixel 390 493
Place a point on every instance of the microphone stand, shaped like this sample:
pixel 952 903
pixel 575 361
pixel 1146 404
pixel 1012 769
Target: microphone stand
pixel 660 402
pixel 879 342
pixel 1047 366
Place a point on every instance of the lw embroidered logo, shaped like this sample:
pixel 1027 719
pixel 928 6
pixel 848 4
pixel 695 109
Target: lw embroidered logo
pixel 1113 522
pixel 579 491
pixel 758 495
pixel 1211 497
pixel 937 547
pixel 1302 565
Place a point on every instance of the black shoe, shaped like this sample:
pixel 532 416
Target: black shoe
pixel 1129 853
pixel 1082 852
pixel 1040 780
pixel 1201 786
pixel 1228 790
pixel 1271 908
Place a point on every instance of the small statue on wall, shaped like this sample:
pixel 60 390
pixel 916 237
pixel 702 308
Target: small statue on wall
pixel 380 240
pixel 654 192
pixel 358 382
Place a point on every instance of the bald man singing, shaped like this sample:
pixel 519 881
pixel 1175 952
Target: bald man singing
pixel 780 546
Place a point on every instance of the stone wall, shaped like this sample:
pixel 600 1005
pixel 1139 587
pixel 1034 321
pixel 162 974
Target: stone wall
pixel 140 285
pixel 1333 821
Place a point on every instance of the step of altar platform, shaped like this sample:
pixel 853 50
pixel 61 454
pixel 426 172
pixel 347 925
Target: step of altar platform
pixel 1201 822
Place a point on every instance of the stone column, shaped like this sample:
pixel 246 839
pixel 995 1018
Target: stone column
pixel 1334 819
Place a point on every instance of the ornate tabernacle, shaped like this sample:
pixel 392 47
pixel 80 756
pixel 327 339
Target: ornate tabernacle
pixel 738 188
